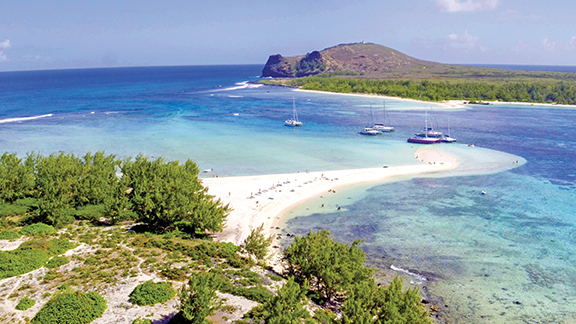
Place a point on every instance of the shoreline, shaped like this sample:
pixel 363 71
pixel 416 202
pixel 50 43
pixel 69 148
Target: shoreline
pixel 266 199
pixel 446 104
pixel 450 104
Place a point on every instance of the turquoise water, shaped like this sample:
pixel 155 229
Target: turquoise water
pixel 507 256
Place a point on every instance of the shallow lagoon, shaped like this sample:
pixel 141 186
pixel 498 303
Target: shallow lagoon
pixel 504 256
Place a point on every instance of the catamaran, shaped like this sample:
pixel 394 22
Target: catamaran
pixel 370 130
pixel 293 122
pixel 382 127
pixel 424 139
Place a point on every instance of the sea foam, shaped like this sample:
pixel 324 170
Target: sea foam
pixel 20 119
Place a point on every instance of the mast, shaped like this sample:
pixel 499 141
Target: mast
pixel 371 115
pixel 294 116
pixel 384 104
pixel 426 123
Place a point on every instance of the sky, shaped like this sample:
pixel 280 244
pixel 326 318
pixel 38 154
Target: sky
pixel 58 34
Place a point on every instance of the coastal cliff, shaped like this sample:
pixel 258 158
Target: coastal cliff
pixel 344 59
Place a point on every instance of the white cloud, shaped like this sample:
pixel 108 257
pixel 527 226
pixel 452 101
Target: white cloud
pixel 548 44
pixel 571 44
pixel 4 46
pixel 467 5
pixel 465 42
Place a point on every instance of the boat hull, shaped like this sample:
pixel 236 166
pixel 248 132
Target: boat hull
pixel 423 140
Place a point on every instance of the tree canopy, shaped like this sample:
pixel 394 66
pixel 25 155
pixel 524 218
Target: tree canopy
pixel 329 266
pixel 64 187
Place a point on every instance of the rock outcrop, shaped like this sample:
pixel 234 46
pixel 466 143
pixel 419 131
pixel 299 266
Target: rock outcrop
pixel 344 59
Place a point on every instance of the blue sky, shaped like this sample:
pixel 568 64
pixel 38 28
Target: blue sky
pixel 49 34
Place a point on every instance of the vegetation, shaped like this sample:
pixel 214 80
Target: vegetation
pixel 535 90
pixel 9 235
pixel 164 193
pixel 199 299
pixel 338 269
pixel 58 189
pixel 25 303
pixel 285 308
pixel 38 229
pixel 71 308
pixel 368 303
pixel 330 267
pixel 30 255
pixel 57 262
pixel 150 293
pixel 257 243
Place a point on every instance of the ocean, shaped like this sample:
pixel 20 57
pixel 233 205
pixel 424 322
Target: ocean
pixel 506 256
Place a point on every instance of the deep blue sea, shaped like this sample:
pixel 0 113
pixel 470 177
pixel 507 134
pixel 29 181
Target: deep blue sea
pixel 552 68
pixel 507 256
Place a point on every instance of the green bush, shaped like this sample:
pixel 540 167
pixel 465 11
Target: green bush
pixel 25 303
pixel 57 262
pixel 258 294
pixel 90 212
pixel 39 229
pixel 71 308
pixel 141 321
pixel 9 235
pixel 30 255
pixel 150 293
pixel 7 209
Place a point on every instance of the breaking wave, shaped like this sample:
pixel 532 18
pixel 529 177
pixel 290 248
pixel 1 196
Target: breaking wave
pixel 20 119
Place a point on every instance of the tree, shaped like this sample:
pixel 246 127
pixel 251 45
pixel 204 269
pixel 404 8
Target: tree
pixel 285 308
pixel 329 266
pixel 199 299
pixel 257 243
pixel 166 192
pixel 368 303
pixel 16 178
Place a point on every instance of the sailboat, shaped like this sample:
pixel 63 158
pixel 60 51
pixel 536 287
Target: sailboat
pixel 370 130
pixel 446 137
pixel 382 127
pixel 293 122
pixel 424 139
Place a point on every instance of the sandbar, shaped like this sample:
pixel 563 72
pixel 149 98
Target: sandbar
pixel 257 200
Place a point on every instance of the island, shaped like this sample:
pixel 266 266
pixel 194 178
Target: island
pixel 375 69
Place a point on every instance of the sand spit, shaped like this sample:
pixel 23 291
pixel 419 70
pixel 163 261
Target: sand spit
pixel 257 200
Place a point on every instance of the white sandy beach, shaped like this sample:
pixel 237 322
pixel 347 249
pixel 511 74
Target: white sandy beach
pixel 446 104
pixel 257 200
pixel 449 104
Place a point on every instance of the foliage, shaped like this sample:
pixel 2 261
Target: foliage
pixel 257 243
pixel 30 255
pixel 38 229
pixel 16 178
pixel 285 308
pixel 368 303
pixel 57 261
pixel 330 266
pixel 166 192
pixel 324 316
pixel 150 293
pixel 90 212
pixel 199 299
pixel 8 235
pixel 71 308
pixel 25 303
pixel 534 90
pixel 60 188
pixel 258 294
pixel 141 321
